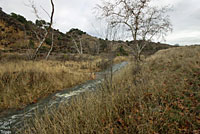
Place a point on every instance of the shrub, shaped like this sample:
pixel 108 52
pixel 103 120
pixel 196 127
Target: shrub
pixel 48 41
pixel 44 49
pixel 60 37
pixel 19 18
pixel 103 44
pixel 40 23
pixel 31 44
pixel 122 51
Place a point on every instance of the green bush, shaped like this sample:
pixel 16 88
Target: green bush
pixel 48 41
pixel 44 49
pixel 122 51
pixel 59 37
pixel 118 54
pixel 40 23
pixel 75 30
pixel 19 18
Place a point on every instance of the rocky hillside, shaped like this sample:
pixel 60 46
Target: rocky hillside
pixel 19 35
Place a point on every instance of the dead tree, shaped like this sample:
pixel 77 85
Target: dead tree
pixel 52 44
pixel 50 27
pixel 47 30
pixel 141 20
pixel 79 48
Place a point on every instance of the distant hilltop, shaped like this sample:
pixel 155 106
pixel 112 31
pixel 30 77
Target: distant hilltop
pixel 19 34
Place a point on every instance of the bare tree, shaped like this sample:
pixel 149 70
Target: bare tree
pixel 46 28
pixel 140 19
pixel 79 48
pixel 52 44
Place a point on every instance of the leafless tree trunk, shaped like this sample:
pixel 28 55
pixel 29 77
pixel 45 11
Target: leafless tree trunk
pixel 40 44
pixel 47 31
pixel 51 23
pixel 79 48
pixel 111 35
pixel 52 44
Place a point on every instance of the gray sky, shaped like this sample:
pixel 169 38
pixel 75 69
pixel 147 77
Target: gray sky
pixel 69 14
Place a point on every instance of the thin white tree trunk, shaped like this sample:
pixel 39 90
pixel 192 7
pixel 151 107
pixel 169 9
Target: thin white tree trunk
pixel 79 50
pixel 41 43
pixel 81 47
pixel 46 30
pixel 52 43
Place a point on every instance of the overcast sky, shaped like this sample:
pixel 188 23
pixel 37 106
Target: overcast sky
pixel 69 14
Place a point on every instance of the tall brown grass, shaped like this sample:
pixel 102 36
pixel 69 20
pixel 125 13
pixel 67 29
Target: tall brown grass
pixel 25 82
pixel 159 96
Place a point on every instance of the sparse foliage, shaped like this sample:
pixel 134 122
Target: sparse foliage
pixel 140 19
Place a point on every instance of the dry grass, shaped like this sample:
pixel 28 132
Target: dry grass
pixel 160 96
pixel 25 82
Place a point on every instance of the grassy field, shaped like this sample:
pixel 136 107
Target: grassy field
pixel 24 82
pixel 161 95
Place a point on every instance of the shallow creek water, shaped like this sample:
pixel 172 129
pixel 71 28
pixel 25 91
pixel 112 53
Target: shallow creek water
pixel 15 120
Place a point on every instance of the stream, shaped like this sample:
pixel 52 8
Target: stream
pixel 16 120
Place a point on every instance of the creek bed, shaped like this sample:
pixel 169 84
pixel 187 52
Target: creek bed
pixel 16 120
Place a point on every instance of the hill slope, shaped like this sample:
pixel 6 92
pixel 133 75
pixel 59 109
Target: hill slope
pixel 19 35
